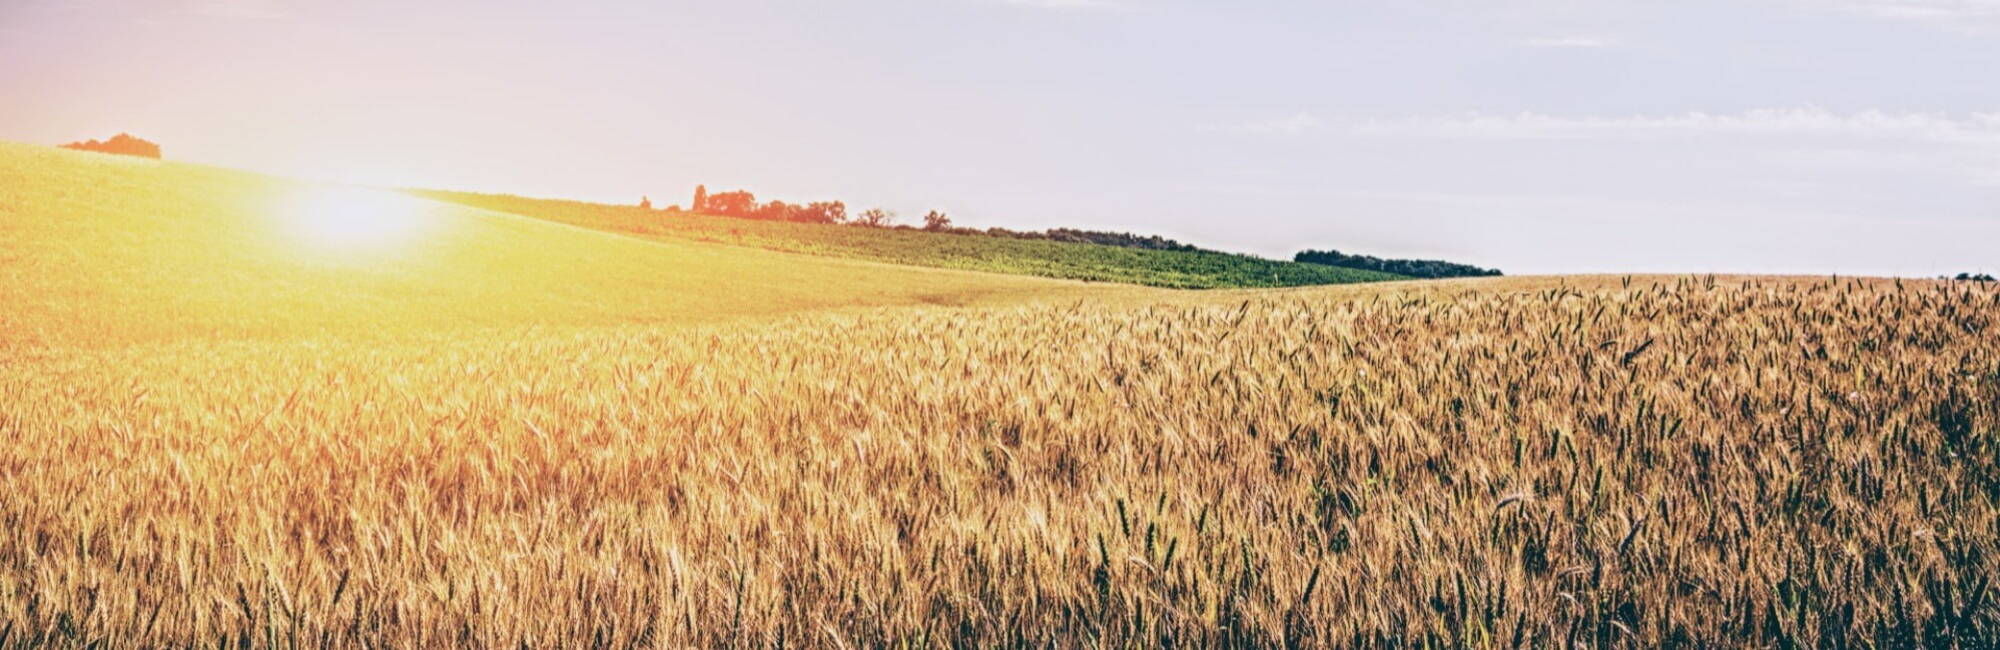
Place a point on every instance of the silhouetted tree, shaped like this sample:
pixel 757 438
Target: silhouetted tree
pixel 936 221
pixel 645 203
pixel 774 211
pixel 735 204
pixel 825 212
pixel 700 198
pixel 743 204
pixel 875 218
pixel 123 144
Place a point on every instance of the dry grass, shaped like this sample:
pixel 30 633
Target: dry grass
pixel 98 249
pixel 1515 463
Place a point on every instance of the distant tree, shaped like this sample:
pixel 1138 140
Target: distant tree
pixel 1412 268
pixel 674 208
pixel 778 211
pixel 875 218
pixel 735 204
pixel 1099 237
pixel 824 212
pixel 742 204
pixel 1974 277
pixel 700 198
pixel 1102 238
pixel 645 203
pixel 936 221
pixel 123 144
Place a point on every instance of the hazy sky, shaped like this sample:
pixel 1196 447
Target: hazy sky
pixel 1852 136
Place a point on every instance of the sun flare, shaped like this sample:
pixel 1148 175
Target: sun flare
pixel 352 219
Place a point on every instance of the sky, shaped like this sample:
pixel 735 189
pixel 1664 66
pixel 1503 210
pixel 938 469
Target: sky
pixel 1571 136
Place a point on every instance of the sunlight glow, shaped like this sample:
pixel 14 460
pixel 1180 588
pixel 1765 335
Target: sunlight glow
pixel 350 219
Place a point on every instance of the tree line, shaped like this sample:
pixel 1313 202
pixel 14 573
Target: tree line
pixel 1412 268
pixel 744 205
pixel 1099 237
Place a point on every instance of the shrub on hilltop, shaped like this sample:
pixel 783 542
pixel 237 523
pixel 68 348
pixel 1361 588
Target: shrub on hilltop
pixel 124 144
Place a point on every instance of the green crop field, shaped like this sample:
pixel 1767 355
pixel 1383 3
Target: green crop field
pixel 1067 260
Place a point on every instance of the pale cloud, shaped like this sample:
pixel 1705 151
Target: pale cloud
pixel 1941 9
pixel 155 9
pixel 1963 15
pixel 1963 128
pixel 1072 4
pixel 1882 191
pixel 1576 42
pixel 1297 123
pixel 238 9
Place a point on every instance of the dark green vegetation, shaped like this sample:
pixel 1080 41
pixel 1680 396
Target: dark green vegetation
pixel 1055 259
pixel 1428 269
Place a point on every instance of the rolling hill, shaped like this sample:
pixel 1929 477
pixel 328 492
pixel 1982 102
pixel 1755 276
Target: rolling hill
pixel 1053 259
pixel 106 248
pixel 580 439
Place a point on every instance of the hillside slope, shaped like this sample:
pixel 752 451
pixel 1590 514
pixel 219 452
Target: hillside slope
pixel 97 248
pixel 1054 259
pixel 1520 462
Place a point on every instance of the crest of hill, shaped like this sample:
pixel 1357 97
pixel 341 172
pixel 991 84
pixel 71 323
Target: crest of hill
pixel 966 250
pixel 108 250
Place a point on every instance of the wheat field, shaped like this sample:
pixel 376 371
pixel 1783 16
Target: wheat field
pixel 1600 462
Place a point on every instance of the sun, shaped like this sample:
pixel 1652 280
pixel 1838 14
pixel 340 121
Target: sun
pixel 353 219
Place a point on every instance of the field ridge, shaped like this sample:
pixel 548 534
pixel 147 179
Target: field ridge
pixel 1199 269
